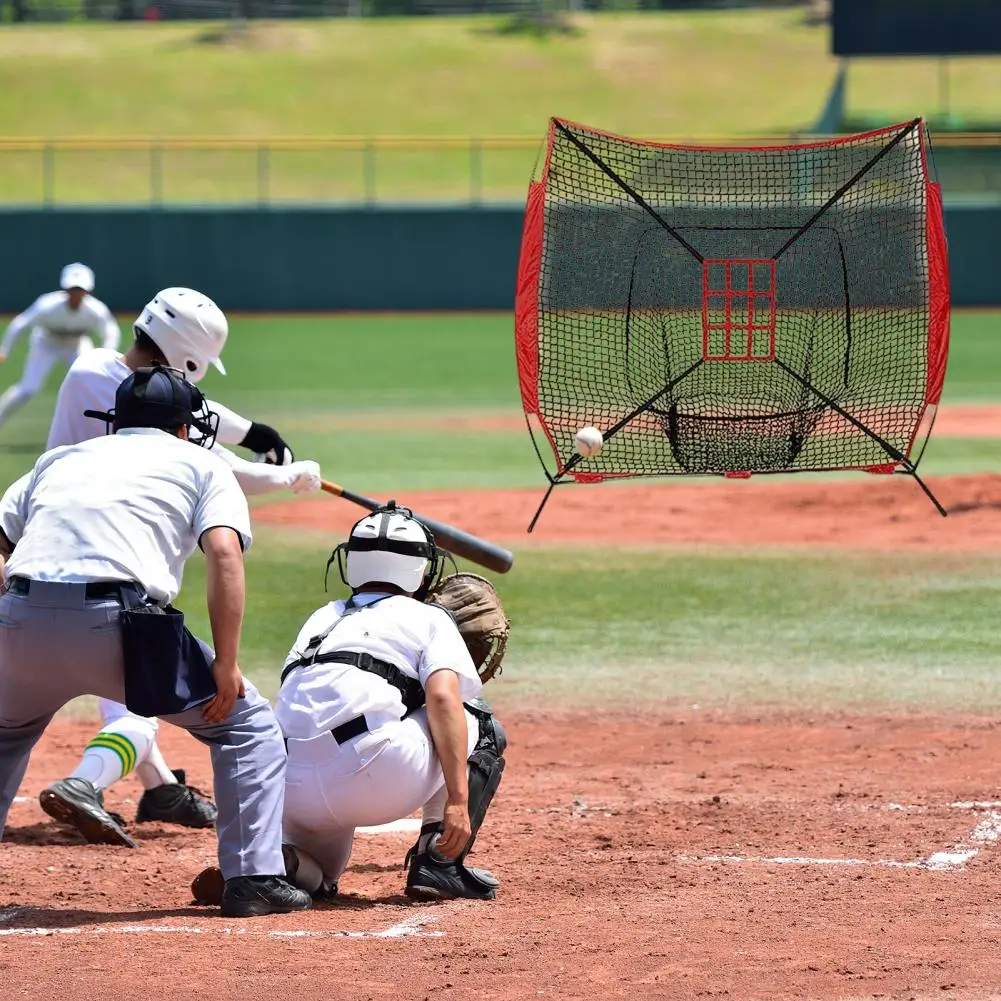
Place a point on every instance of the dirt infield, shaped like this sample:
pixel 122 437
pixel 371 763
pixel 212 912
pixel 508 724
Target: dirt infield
pixel 862 512
pixel 669 856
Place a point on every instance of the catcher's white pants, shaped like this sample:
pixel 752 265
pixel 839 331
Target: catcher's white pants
pixel 376 778
pixel 44 350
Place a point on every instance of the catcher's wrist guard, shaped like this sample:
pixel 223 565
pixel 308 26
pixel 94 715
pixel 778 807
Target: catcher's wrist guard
pixel 475 605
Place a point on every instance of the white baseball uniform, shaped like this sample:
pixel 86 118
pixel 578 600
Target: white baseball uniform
pixel 91 384
pixel 389 771
pixel 58 333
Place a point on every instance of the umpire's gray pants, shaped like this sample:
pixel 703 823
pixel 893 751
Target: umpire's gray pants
pixel 55 646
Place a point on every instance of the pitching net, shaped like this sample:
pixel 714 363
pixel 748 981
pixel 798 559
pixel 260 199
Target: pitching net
pixel 732 310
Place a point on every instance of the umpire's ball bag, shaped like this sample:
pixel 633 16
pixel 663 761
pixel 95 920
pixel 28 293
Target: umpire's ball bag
pixel 167 670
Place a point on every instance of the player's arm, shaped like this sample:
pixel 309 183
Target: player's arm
pixel 259 438
pixel 18 326
pixel 265 478
pixel 13 515
pixel 222 525
pixel 450 733
pixel 111 335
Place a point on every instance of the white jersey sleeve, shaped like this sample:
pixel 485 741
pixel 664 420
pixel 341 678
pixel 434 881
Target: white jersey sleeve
pixel 264 478
pixel 22 322
pixel 14 508
pixel 445 650
pixel 232 427
pixel 222 504
pixel 106 323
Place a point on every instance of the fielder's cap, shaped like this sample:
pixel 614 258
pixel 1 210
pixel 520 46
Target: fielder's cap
pixel 77 276
pixel 156 397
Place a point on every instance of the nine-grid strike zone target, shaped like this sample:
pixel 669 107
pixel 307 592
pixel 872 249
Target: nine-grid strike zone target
pixel 732 310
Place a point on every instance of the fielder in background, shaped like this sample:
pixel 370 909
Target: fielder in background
pixel 185 330
pixel 379 704
pixel 95 540
pixel 60 323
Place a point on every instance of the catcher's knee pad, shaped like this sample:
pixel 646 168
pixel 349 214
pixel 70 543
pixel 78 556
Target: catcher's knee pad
pixel 486 766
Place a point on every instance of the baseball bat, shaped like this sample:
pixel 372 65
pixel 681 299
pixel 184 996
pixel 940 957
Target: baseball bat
pixel 459 543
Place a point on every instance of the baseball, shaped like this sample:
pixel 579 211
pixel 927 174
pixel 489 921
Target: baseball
pixel 588 441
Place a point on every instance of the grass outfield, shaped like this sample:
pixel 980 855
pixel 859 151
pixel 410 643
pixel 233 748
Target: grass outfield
pixel 682 74
pixel 713 627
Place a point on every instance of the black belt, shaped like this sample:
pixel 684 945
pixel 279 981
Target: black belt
pixel 353 728
pixel 96 590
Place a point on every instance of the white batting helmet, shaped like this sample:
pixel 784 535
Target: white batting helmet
pixel 188 327
pixel 389 546
pixel 77 276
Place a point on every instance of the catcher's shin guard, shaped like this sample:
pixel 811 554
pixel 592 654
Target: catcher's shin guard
pixel 486 766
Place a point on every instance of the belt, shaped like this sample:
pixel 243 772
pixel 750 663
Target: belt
pixel 95 591
pixel 353 728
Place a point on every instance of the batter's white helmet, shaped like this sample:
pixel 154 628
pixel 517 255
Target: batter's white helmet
pixel 188 327
pixel 77 276
pixel 390 546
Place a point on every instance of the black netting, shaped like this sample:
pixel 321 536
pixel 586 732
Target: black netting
pixel 662 267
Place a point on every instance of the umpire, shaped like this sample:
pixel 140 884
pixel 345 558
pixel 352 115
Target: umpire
pixel 95 539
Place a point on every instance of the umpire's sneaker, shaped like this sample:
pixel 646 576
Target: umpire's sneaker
pixel 80 804
pixel 177 803
pixel 433 877
pixel 251 896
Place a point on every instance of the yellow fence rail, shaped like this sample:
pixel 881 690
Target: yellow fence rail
pixel 351 169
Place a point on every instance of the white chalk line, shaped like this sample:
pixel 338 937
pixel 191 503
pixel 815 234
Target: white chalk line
pixel 986 832
pixel 414 926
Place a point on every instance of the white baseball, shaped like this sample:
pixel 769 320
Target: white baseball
pixel 588 441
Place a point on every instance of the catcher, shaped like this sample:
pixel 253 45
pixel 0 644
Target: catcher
pixel 379 704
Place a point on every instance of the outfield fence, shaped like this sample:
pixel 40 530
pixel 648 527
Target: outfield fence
pixel 348 170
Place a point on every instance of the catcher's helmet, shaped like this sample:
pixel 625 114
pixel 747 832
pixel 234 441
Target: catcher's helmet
pixel 162 398
pixel 389 546
pixel 188 327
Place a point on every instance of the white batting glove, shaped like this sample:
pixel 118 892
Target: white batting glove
pixel 303 476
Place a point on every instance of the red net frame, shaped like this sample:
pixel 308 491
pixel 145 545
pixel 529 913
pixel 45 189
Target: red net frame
pixel 728 335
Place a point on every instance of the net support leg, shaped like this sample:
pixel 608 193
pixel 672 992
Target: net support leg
pixel 911 471
pixel 545 500
pixel 892 452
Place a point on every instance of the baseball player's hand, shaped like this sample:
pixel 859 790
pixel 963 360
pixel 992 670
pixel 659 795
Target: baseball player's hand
pixel 229 687
pixel 304 476
pixel 3 357
pixel 457 830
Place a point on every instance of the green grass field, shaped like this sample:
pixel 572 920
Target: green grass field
pixel 676 74
pixel 617 626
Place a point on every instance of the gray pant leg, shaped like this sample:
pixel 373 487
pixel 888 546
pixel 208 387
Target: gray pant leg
pixel 44 663
pixel 248 765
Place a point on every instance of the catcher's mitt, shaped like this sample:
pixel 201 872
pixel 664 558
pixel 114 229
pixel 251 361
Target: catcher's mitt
pixel 479 614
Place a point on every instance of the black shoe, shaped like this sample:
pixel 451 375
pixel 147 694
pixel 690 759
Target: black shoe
pixel 177 804
pixel 80 804
pixel 251 896
pixel 433 877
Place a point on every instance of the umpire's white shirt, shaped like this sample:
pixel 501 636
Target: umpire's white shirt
pixel 418 639
pixel 129 506
pixel 51 313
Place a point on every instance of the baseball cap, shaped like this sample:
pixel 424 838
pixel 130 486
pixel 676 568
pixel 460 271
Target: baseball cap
pixel 77 276
pixel 157 397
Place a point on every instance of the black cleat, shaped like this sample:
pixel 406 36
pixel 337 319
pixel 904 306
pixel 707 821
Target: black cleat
pixel 177 804
pixel 433 877
pixel 252 896
pixel 80 804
